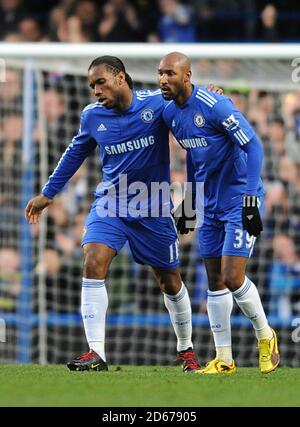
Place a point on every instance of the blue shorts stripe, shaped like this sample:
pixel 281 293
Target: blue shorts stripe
pixel 211 294
pixel 92 286
pixel 178 297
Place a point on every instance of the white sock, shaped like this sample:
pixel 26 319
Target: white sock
pixel 219 308
pixel 179 308
pixel 248 300
pixel 94 303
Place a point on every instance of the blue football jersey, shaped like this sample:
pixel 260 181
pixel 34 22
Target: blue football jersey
pixel 133 142
pixel 215 135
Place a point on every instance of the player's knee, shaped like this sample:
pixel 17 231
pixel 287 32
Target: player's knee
pixel 232 279
pixel 169 280
pixel 215 283
pixel 95 266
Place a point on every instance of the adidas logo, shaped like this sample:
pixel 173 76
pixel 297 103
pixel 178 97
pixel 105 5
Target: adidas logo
pixel 101 127
pixel 250 217
pixel 173 124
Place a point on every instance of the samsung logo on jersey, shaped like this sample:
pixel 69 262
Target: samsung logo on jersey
pixel 135 144
pixel 193 142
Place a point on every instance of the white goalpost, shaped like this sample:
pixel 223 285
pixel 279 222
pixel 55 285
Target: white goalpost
pixel 43 88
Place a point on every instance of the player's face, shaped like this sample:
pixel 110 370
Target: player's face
pixel 105 86
pixel 171 79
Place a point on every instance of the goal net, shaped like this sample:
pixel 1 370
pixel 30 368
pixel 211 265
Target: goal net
pixel 42 91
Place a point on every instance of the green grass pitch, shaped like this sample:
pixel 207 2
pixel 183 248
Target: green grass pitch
pixel 151 386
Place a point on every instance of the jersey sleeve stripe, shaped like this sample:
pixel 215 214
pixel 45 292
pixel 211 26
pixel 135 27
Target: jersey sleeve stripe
pixel 238 137
pixel 207 102
pixel 207 95
pixel 243 136
pixel 204 95
pixel 142 95
pixel 94 105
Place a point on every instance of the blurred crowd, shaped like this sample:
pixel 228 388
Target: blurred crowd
pixel 80 21
pixel 275 266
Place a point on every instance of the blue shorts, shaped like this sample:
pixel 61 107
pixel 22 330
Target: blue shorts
pixel 223 234
pixel 153 241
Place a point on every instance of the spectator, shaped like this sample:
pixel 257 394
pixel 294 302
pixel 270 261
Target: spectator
pixel 148 16
pixel 11 92
pixel 275 148
pixel 61 277
pixel 71 31
pixel 269 31
pixel 57 16
pixel 119 22
pixel 284 278
pixel 276 196
pixel 74 196
pixel 293 137
pixel 87 12
pixel 12 38
pixel 55 110
pixel 136 20
pixel 11 14
pixel 239 100
pixel 290 176
pixel 58 213
pixel 10 279
pixel 30 30
pixel 176 24
pixel 10 179
pixel 261 109
pixel 231 20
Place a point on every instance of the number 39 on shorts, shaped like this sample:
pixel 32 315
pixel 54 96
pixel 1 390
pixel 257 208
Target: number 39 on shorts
pixel 242 238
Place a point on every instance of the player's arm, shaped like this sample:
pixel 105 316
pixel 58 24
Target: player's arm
pixel 212 88
pixel 80 147
pixel 240 131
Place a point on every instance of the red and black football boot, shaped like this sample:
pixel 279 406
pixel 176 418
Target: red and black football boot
pixel 188 360
pixel 90 361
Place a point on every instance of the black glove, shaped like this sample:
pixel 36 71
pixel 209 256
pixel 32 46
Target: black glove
pixel 185 215
pixel 250 216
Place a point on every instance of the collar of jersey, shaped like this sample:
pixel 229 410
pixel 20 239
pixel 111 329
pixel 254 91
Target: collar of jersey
pixel 131 106
pixel 128 109
pixel 190 99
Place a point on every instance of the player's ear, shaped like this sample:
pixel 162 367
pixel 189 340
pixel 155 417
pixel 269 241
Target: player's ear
pixel 188 76
pixel 121 78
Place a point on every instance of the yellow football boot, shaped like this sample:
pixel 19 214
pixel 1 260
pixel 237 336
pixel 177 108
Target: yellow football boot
pixel 269 356
pixel 216 367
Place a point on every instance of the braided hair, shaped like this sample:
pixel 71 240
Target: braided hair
pixel 114 64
